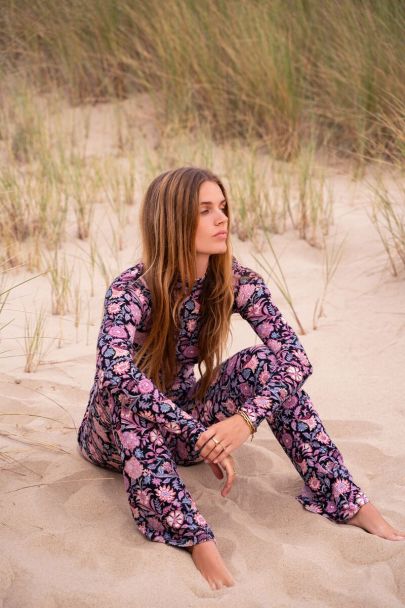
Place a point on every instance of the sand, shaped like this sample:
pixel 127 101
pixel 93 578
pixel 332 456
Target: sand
pixel 67 533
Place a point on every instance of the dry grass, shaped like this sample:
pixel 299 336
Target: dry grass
pixel 388 217
pixel 268 69
pixel 34 340
pixel 332 256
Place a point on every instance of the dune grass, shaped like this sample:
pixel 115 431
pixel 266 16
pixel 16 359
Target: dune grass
pixel 272 69
pixel 388 217
pixel 34 337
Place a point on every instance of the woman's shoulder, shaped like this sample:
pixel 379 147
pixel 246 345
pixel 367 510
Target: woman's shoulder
pixel 131 280
pixel 243 274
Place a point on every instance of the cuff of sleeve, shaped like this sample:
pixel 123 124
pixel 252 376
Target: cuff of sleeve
pixel 251 412
pixel 193 438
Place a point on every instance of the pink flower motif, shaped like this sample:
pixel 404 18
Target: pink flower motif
pixel 307 492
pixel 245 292
pixel 230 406
pixel 252 363
pixel 138 293
pixel 116 293
pixel 313 508
pixel 208 407
pixel 287 440
pixel 282 394
pixel 100 430
pixel 117 331
pixel 264 377
pixel 143 497
pixel 167 466
pixel 191 325
pixel 191 351
pixel 112 308
pixel 351 510
pixel 149 415
pixel 155 524
pixel 245 389
pixel 262 401
pixel 361 500
pixel 274 345
pixel 304 466
pixel 231 365
pixel 166 494
pixel 340 486
pixel 322 437
pixel 120 352
pixel 123 399
pixel 145 386
pixel 265 329
pixel 175 518
pixel 302 357
pixel 199 519
pixel 172 427
pixel 256 309
pixel 311 422
pixel 121 368
pixel 133 468
pixel 314 483
pixel 330 507
pixel 290 402
pixel 156 437
pixel 135 312
pixel 130 440
pixel 131 331
pixel 295 373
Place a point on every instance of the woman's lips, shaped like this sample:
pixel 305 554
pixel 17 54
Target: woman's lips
pixel 222 235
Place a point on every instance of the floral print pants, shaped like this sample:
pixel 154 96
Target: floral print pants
pixel 163 509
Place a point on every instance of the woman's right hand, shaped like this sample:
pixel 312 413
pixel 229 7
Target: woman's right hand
pixel 228 465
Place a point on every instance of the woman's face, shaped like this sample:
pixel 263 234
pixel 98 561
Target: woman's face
pixel 212 219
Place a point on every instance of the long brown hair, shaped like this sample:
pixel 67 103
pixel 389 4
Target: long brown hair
pixel 168 218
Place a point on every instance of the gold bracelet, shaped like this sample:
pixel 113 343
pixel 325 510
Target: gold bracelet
pixel 248 422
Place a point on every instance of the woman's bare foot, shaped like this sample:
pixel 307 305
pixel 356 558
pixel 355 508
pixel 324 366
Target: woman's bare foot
pixel 209 562
pixel 371 520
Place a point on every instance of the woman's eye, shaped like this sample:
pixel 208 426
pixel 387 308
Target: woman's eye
pixel 207 210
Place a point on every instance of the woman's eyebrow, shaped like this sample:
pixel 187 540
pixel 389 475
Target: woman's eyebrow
pixel 210 202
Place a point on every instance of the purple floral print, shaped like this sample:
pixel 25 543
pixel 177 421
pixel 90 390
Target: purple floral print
pixel 131 427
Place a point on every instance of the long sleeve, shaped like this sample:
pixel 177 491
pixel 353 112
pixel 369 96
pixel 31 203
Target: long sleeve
pixel 121 378
pixel 289 366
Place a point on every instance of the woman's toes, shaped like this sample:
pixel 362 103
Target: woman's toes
pixel 399 535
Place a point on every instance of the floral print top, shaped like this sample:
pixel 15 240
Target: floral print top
pixel 124 327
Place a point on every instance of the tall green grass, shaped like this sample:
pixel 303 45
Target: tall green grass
pixel 281 70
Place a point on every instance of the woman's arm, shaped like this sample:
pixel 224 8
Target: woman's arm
pixel 289 364
pixel 120 377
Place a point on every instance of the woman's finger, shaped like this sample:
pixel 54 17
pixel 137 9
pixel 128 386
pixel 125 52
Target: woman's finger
pixel 217 470
pixel 226 453
pixel 230 471
pixel 211 450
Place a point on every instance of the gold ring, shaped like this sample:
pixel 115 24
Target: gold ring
pixel 213 439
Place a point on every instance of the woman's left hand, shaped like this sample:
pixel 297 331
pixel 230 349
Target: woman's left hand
pixel 229 433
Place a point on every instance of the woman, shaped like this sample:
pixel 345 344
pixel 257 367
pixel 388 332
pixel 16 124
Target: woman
pixel 147 413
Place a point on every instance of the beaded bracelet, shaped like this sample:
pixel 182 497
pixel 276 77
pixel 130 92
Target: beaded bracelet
pixel 248 421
